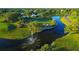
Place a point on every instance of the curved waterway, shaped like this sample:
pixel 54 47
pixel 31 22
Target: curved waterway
pixel 9 44
pixel 59 25
pixel 45 36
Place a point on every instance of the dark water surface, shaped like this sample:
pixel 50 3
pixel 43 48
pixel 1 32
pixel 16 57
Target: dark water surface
pixel 9 44
pixel 45 36
pixel 59 25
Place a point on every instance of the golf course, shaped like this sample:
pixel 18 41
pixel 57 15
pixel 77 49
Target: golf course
pixel 39 29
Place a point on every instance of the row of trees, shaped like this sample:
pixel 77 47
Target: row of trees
pixel 43 12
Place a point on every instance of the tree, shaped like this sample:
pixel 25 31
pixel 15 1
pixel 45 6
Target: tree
pixel 46 47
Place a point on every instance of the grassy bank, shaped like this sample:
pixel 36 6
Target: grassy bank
pixel 68 42
pixel 20 33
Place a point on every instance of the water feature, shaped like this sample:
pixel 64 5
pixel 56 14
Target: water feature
pixel 9 44
pixel 45 36
pixel 59 25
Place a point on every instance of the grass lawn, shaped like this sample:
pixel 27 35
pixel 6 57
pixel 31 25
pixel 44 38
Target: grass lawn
pixel 68 42
pixel 18 33
pixel 3 25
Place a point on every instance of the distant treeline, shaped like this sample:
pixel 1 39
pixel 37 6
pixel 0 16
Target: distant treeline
pixel 41 12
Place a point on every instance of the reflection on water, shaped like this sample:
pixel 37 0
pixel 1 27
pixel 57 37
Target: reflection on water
pixel 30 40
pixel 59 25
pixel 45 36
pixel 9 44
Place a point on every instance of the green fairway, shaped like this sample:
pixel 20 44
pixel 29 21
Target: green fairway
pixel 3 25
pixel 15 34
pixel 42 29
pixel 20 33
pixel 68 42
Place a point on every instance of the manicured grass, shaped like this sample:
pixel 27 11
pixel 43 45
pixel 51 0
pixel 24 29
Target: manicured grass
pixel 68 42
pixel 3 25
pixel 65 21
pixel 2 19
pixel 71 18
pixel 18 33
pixel 51 22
